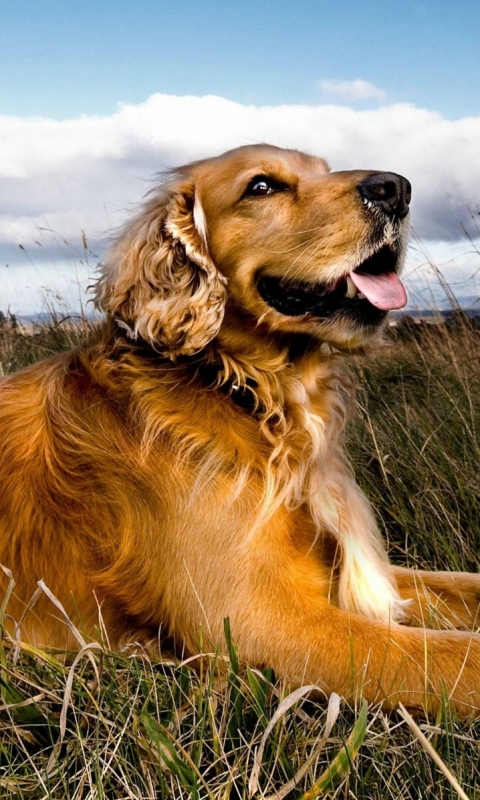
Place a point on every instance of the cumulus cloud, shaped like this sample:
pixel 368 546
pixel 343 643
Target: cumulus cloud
pixel 59 178
pixel 353 91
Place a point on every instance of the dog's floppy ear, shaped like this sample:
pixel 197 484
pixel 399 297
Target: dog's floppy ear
pixel 159 280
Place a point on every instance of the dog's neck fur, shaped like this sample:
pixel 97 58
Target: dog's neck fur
pixel 301 394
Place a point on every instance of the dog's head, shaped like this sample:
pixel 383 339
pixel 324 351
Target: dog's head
pixel 270 234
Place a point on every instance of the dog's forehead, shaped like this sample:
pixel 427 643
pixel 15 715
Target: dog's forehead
pixel 251 160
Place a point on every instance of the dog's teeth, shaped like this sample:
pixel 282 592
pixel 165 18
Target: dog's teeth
pixel 352 290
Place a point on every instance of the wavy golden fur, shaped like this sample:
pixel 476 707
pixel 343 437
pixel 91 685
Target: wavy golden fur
pixel 186 464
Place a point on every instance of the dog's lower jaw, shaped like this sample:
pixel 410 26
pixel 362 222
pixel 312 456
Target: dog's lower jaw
pixel 272 336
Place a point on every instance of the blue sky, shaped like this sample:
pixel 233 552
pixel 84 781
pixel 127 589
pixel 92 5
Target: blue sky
pixel 62 58
pixel 97 97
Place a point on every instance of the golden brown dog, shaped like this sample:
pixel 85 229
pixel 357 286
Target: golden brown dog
pixel 185 465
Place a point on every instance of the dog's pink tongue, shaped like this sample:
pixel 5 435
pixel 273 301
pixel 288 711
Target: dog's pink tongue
pixel 384 291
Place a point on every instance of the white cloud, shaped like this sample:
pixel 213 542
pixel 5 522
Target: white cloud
pixel 87 173
pixel 353 91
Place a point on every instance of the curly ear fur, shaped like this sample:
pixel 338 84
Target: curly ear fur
pixel 159 279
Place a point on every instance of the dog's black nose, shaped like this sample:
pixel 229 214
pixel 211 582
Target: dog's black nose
pixel 389 191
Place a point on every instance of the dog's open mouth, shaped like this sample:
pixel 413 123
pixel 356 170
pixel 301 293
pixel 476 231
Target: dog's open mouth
pixel 367 293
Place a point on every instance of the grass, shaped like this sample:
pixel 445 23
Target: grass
pixel 416 444
pixel 118 726
pixel 19 347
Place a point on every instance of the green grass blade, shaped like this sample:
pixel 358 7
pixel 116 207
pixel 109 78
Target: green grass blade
pixel 343 761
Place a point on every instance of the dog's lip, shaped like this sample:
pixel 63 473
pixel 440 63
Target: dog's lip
pixel 372 284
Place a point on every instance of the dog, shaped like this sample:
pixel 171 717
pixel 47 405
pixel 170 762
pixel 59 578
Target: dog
pixel 185 465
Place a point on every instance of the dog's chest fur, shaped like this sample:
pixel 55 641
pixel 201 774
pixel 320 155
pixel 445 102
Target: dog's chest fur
pixel 283 452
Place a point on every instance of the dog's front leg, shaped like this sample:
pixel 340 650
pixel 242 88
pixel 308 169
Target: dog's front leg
pixel 440 599
pixel 307 640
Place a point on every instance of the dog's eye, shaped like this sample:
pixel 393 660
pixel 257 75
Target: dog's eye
pixel 262 185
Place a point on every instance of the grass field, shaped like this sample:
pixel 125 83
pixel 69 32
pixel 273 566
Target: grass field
pixel 120 726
